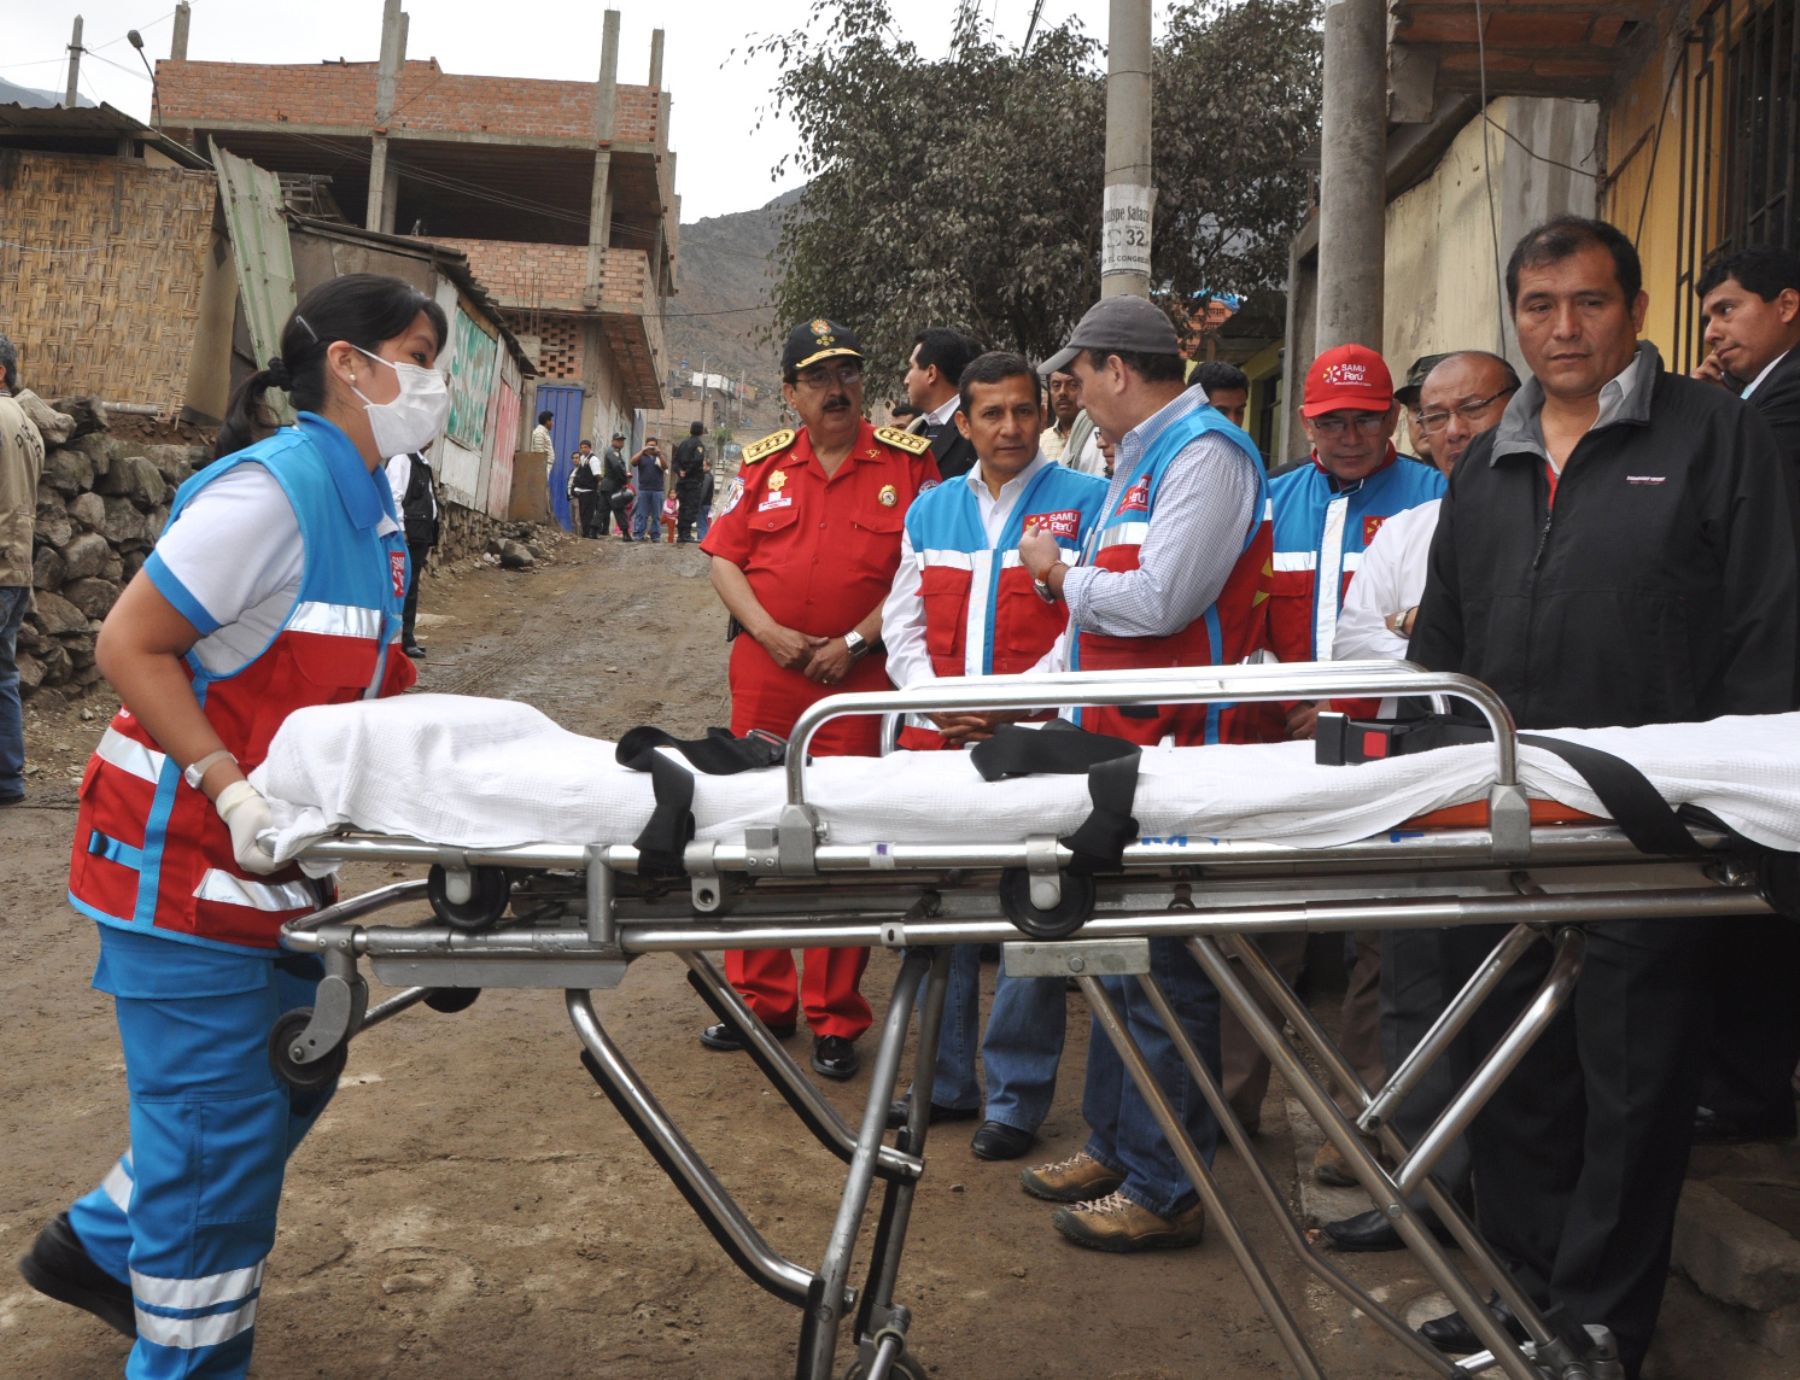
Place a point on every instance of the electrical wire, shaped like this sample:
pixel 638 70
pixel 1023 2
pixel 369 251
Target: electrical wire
pixel 1662 116
pixel 1487 175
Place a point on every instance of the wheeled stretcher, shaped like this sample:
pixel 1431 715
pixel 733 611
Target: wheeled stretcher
pixel 764 859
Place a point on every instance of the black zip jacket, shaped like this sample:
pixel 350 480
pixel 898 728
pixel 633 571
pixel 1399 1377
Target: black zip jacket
pixel 1660 587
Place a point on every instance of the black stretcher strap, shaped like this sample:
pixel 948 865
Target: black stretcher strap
pixel 1059 748
pixel 719 753
pixel 1625 793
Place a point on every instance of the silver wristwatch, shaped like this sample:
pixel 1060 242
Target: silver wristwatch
pixel 855 643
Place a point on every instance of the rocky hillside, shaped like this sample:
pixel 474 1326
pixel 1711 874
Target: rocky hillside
pixel 720 316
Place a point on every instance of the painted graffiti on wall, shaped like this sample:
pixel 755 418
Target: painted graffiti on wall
pixel 471 380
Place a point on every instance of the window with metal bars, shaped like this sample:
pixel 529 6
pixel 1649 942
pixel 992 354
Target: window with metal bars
pixel 1739 75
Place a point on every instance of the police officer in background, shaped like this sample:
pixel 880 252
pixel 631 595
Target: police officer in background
pixel 690 474
pixel 415 496
pixel 802 557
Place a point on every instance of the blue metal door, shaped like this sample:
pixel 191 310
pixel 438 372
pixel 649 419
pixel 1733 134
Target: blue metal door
pixel 563 400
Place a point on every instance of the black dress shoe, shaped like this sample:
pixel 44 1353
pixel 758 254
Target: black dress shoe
pixel 1719 1128
pixel 725 1037
pixel 835 1057
pixel 1374 1231
pixel 998 1141
pixel 59 1267
pixel 414 650
pixel 901 1106
pixel 1450 1333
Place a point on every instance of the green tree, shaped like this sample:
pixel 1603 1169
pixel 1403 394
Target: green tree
pixel 966 190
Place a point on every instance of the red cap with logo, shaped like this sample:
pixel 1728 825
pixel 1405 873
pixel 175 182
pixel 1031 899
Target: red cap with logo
pixel 1349 377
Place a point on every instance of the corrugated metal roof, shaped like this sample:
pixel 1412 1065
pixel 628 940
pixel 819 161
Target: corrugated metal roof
pixel 21 124
pixel 453 262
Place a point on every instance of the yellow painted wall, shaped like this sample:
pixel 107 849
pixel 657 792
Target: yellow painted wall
pixel 1443 289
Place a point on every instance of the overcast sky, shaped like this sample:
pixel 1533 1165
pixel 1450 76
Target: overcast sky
pixel 724 165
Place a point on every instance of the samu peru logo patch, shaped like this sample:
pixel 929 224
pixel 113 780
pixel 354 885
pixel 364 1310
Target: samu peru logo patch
pixel 397 565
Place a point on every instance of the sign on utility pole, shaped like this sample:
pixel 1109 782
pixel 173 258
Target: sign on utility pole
pixel 1130 198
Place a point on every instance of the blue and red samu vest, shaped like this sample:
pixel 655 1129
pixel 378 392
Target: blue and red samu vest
pixel 1321 531
pixel 151 854
pixel 982 615
pixel 1229 630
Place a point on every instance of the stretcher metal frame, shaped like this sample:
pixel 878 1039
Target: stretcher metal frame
pixel 788 886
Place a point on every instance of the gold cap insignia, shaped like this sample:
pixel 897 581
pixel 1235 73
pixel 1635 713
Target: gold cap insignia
pixel 778 481
pixel 821 329
pixel 888 496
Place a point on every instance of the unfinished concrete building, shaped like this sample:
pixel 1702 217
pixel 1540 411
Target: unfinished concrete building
pixel 562 194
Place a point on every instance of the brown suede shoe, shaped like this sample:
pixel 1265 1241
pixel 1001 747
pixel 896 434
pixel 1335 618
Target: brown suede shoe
pixel 1077 1179
pixel 1115 1223
pixel 1333 1170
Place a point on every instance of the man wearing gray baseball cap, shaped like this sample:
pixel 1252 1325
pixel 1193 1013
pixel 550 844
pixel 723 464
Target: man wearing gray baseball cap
pixel 1173 575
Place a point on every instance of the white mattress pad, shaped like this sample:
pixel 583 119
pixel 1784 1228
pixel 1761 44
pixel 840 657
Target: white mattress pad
pixel 481 773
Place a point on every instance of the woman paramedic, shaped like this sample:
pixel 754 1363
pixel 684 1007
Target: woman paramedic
pixel 277 584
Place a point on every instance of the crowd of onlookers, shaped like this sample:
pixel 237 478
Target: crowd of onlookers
pixel 1602 541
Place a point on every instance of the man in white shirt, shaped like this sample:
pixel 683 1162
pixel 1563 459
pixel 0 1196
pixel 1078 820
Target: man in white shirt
pixel 1464 395
pixel 1071 437
pixel 963 604
pixel 541 441
pixel 416 505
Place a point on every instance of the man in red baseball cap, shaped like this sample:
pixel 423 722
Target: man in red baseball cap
pixel 1324 511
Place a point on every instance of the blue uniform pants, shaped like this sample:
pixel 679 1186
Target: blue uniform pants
pixel 187 1214
pixel 1124 1134
pixel 1019 1053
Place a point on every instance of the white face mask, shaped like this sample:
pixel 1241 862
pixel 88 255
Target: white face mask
pixel 417 413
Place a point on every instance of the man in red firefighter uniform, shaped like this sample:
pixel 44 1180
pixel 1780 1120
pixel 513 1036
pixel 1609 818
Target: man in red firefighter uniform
pixel 802 556
pixel 1172 576
pixel 963 605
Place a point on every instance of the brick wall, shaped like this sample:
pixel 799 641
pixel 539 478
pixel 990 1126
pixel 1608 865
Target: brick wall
pixel 552 277
pixel 343 94
pixel 535 277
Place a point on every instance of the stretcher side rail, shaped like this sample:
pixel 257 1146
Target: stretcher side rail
pixel 799 831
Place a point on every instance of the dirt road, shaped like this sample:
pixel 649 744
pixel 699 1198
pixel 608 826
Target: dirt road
pixel 471 1207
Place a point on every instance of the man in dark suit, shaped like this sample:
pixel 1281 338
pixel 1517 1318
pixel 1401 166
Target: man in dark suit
pixel 933 375
pixel 1750 303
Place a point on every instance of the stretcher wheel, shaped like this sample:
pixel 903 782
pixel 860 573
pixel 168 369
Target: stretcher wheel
pixel 489 891
pixel 309 1077
pixel 1069 914
pixel 904 1368
pixel 450 1000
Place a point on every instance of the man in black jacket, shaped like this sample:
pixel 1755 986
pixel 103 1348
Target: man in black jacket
pixel 933 376
pixel 1619 550
pixel 690 470
pixel 415 499
pixel 615 487
pixel 1750 303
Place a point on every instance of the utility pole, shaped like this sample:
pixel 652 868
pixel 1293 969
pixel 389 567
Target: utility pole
pixel 1353 175
pixel 72 95
pixel 1130 197
pixel 178 40
pixel 387 83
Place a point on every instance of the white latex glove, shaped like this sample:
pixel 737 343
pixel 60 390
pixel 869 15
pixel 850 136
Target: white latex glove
pixel 246 814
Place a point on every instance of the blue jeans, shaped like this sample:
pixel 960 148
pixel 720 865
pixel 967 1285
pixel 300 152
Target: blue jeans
pixel 13 600
pixel 1020 1052
pixel 1124 1135
pixel 646 517
pixel 705 522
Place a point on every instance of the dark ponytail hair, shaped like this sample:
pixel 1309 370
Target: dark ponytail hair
pixel 362 308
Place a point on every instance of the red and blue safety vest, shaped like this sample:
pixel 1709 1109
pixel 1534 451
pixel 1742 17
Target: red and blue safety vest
pixel 982 615
pixel 151 853
pixel 1226 632
pixel 1321 530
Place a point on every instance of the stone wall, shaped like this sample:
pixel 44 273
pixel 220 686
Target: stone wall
pixel 102 501
pixel 100 504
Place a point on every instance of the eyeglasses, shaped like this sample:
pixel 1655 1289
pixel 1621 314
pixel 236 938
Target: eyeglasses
pixel 1368 423
pixel 844 376
pixel 1469 411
